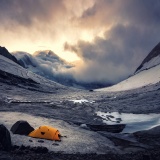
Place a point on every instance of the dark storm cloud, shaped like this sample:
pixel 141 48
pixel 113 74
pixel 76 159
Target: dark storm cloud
pixel 145 12
pixel 129 30
pixel 117 57
pixel 125 45
pixel 27 12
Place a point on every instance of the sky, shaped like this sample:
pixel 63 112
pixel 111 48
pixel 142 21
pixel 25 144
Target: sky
pixel 107 38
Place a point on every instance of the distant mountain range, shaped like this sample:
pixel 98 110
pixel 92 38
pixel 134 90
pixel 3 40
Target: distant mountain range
pixel 12 73
pixel 47 64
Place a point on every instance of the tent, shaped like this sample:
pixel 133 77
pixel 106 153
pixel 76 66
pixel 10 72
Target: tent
pixel 46 132
pixel 22 128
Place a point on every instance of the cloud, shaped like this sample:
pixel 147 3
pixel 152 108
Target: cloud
pixel 133 33
pixel 115 56
pixel 110 37
pixel 28 12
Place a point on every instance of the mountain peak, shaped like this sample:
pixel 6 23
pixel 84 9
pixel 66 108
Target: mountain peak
pixel 155 52
pixel 4 52
pixel 45 53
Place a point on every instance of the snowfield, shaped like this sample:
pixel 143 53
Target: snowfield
pixel 141 79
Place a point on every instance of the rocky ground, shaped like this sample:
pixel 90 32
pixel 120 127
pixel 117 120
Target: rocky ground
pixel 36 154
pixel 56 106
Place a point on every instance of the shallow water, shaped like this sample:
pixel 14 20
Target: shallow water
pixel 81 101
pixel 134 122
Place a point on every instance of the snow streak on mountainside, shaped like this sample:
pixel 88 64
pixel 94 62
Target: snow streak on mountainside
pixel 147 73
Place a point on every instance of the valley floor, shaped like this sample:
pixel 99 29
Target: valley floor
pixel 58 108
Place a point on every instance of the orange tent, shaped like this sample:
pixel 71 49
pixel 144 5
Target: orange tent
pixel 46 132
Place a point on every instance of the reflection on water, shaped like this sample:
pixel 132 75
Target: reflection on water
pixel 134 122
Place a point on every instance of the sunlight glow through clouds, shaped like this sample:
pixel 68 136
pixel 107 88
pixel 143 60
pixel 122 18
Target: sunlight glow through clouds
pixel 109 36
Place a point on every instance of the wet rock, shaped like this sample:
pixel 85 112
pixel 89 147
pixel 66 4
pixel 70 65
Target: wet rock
pixel 5 138
pixel 118 119
pixel 110 116
pixel 117 128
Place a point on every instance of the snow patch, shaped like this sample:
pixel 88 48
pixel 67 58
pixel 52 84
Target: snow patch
pixel 134 122
pixel 81 101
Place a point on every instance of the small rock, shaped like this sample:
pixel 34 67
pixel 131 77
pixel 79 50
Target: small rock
pixel 57 140
pixel 110 116
pixel 40 141
pixel 55 144
pixel 118 119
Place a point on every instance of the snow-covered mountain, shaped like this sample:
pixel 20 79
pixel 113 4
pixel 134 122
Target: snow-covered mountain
pixel 41 59
pixel 147 73
pixel 13 73
pixel 47 64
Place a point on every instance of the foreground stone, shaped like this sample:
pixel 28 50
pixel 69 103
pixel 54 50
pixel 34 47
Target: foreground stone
pixel 5 138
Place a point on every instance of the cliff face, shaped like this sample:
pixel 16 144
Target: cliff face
pixel 152 59
pixel 4 52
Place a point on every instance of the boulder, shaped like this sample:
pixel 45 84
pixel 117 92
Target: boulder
pixel 5 138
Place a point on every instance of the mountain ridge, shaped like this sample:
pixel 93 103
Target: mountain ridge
pixel 146 74
pixel 152 54
pixel 4 52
